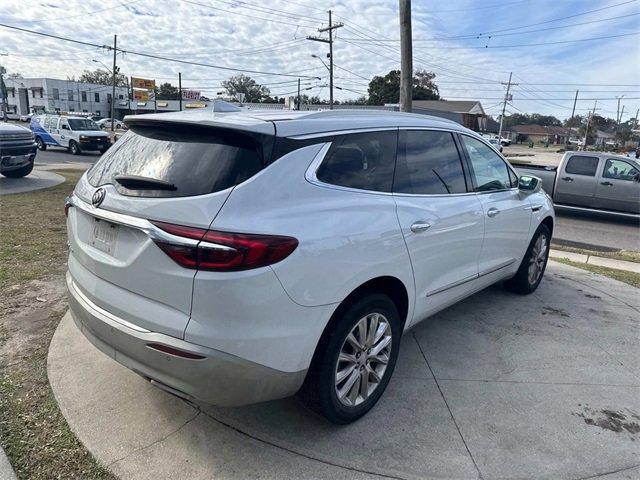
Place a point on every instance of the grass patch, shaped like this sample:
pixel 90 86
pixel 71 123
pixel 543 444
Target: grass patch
pixel 630 278
pixel 33 252
pixel 625 255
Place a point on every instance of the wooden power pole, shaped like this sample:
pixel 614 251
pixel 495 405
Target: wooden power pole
pixel 406 57
pixel 332 26
pixel 113 86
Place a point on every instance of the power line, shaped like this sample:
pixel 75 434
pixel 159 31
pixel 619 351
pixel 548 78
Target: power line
pixel 148 55
pixel 489 35
pixel 558 42
pixel 245 15
pixel 68 17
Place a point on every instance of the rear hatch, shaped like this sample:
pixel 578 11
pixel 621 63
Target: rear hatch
pixel 165 174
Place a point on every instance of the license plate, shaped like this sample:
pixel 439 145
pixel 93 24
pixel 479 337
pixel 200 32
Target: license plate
pixel 104 235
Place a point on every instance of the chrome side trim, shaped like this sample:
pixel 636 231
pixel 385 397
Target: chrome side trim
pixel 496 268
pixel 469 279
pixel 90 305
pixel 595 210
pixel 452 285
pixel 331 133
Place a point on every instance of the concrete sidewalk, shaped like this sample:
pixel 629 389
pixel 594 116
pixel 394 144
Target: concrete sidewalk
pixel 595 260
pixel 544 386
pixel 6 470
pixel 36 180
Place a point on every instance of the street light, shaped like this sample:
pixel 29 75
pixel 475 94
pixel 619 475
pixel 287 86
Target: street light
pixel 322 61
pixel 98 61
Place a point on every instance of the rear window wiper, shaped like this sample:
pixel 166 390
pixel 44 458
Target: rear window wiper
pixel 135 182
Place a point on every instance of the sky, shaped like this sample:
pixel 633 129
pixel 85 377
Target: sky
pixel 471 46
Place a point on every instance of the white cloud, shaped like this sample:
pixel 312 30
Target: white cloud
pixel 226 32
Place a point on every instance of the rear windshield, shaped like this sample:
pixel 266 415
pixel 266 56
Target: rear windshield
pixel 195 161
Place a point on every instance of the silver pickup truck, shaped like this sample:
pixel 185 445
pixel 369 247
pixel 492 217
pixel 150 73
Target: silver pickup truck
pixel 590 180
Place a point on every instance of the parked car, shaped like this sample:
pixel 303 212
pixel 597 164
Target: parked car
pixel 238 257
pixel 17 150
pixel 591 180
pixel 26 118
pixel 505 142
pixel 496 144
pixel 105 123
pixel 77 134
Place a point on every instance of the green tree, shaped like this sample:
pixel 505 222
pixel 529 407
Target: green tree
pixel 531 119
pixel 166 91
pixel 574 121
pixel 253 91
pixel 386 89
pixel 103 77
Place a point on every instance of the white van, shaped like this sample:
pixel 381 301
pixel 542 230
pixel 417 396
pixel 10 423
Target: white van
pixel 74 133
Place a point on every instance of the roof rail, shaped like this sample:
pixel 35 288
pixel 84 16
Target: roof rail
pixel 371 112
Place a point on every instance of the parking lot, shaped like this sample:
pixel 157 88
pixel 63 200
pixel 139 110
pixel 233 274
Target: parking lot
pixel 498 386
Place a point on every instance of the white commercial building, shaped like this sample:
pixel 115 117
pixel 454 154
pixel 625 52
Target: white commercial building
pixel 29 95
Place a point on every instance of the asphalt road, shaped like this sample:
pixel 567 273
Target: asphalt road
pixel 53 155
pixel 587 229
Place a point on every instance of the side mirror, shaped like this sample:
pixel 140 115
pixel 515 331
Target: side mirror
pixel 65 127
pixel 529 184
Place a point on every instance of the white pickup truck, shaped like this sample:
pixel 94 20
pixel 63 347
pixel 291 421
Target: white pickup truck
pixel 591 180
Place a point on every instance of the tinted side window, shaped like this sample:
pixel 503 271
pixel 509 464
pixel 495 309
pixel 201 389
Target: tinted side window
pixel 619 169
pixel 489 170
pixel 580 165
pixel 361 160
pixel 428 163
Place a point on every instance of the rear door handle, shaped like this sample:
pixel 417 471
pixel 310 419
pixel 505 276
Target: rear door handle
pixel 567 179
pixel 419 226
pixel 606 184
pixel 492 212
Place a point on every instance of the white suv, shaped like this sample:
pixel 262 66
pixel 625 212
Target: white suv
pixel 237 257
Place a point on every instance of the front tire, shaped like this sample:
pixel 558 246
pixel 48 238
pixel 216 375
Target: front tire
pixel 40 143
pixel 74 148
pixel 355 360
pixel 533 265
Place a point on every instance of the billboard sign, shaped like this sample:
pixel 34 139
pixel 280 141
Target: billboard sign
pixel 191 95
pixel 143 83
pixel 141 95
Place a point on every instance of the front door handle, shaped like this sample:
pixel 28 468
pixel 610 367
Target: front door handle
pixel 567 179
pixel 606 184
pixel 419 226
pixel 492 212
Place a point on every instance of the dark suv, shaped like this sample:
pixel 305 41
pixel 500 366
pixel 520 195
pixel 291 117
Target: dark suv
pixel 17 150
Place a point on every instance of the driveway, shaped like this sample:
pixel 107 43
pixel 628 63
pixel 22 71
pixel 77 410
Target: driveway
pixel 499 386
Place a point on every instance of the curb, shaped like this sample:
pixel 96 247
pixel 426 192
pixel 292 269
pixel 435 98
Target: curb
pixel 594 260
pixel 6 470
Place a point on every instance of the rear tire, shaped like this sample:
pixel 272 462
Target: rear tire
pixel 533 265
pixel 41 145
pixel 20 172
pixel 349 374
pixel 74 148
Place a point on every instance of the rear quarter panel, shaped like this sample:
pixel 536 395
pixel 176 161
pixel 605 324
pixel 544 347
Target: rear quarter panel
pixel 345 238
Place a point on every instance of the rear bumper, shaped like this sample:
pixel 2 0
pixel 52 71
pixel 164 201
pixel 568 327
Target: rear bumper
pixel 219 378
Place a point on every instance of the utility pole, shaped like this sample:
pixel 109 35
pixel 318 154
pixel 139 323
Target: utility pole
pixel 406 57
pixel 504 105
pixel 113 87
pixel 180 89
pixel 298 101
pixel 586 132
pixel 332 26
pixel 3 94
pixel 573 112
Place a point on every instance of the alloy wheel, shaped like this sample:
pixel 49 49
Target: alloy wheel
pixel 537 259
pixel 363 359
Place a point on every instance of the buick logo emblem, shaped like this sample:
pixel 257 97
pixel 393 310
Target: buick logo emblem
pixel 98 197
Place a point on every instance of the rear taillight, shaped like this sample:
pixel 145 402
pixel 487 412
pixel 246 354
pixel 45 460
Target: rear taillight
pixel 224 251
